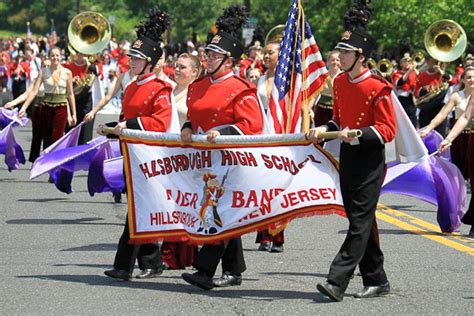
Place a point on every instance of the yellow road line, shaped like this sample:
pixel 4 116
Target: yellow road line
pixel 422 223
pixel 387 214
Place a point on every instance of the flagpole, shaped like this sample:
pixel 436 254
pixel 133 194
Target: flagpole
pixel 291 92
pixel 304 103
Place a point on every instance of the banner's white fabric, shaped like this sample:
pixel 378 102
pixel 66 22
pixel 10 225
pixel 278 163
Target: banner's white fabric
pixel 207 193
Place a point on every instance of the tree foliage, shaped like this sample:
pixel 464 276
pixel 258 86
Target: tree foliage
pixel 392 20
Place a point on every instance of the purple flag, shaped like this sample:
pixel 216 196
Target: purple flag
pixel 13 152
pixel 62 163
pixel 451 193
pixel 68 140
pixel 8 116
pixel 436 181
pixel 106 170
pixel 46 162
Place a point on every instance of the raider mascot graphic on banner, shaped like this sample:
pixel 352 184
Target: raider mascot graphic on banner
pixel 212 193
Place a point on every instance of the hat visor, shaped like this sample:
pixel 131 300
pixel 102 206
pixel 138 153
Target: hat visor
pixel 345 46
pixel 136 53
pixel 216 49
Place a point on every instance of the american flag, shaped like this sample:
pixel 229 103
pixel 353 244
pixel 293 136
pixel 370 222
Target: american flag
pixel 299 76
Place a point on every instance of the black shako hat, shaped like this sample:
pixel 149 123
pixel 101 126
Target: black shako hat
pixel 145 48
pixel 226 41
pixel 148 43
pixel 226 44
pixel 355 38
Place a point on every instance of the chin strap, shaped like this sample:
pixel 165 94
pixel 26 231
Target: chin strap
pixel 220 65
pixel 357 55
pixel 144 67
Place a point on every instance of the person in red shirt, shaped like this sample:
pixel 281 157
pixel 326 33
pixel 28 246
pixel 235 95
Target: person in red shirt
pixel 120 54
pixel 405 80
pixel 84 74
pixel 19 72
pixel 426 82
pixel 146 105
pixel 361 101
pixel 221 104
pixel 255 60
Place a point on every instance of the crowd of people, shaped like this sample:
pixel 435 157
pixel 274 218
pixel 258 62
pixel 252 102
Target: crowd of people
pixel 64 89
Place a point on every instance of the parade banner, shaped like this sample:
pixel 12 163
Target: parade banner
pixel 205 192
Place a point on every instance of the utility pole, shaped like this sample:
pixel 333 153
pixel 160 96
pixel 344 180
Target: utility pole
pixel 78 6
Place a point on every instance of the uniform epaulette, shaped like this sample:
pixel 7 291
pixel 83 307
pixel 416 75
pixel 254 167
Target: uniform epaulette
pixel 381 79
pixel 247 83
pixel 164 84
pixel 200 79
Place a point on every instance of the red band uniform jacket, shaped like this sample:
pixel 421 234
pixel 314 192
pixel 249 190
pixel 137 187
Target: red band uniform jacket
pixel 228 104
pixel 146 104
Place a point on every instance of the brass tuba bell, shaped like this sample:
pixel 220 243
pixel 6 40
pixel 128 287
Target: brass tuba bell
pixel 371 63
pixel 419 58
pixel 385 67
pixel 89 32
pixel 445 40
pixel 275 35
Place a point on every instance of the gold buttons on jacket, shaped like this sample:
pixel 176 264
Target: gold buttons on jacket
pixel 213 121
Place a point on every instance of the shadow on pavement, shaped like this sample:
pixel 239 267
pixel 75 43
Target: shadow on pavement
pixel 155 285
pixel 65 200
pixel 86 265
pixel 409 208
pixel 94 247
pixel 309 274
pixel 46 200
pixel 57 221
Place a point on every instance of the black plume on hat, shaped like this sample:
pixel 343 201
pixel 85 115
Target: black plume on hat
pixel 232 20
pixel 149 32
pixel 229 25
pixel 356 20
pixel 358 16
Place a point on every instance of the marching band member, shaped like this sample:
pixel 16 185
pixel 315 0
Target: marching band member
pixel 323 108
pixel 54 112
pixel 466 120
pixel 405 81
pixel 361 101
pixel 253 61
pixel 82 72
pixel 427 82
pixel 222 104
pixel 178 255
pixel 457 102
pixel 264 88
pixel 146 105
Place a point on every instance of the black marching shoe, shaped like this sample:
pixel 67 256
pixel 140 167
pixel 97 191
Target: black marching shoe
pixel 228 279
pixel 149 273
pixel 276 248
pixel 118 197
pixel 374 291
pixel 264 246
pixel 334 292
pixel 118 274
pixel 199 279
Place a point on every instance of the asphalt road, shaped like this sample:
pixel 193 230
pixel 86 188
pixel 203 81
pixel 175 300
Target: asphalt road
pixel 55 247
